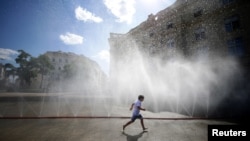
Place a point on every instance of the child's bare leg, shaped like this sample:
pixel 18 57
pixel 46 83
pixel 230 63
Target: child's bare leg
pixel 142 124
pixel 124 126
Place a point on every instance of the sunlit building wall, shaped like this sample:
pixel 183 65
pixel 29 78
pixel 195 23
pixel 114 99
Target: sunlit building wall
pixel 89 76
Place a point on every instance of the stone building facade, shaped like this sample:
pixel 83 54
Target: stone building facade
pixel 189 28
pixel 71 73
pixel 59 60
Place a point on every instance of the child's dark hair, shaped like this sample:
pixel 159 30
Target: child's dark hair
pixel 140 97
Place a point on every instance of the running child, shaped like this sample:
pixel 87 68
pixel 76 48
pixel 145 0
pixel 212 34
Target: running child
pixel 136 106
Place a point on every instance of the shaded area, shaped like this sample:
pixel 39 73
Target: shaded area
pixel 134 137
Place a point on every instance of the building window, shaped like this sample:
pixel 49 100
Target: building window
pixel 235 47
pixel 198 12
pixel 53 60
pixel 59 68
pixel 151 34
pixel 170 44
pixel 232 23
pixel 169 25
pixel 200 34
pixel 60 60
pixel 226 2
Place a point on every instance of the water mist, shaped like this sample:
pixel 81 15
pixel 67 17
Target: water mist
pixel 194 86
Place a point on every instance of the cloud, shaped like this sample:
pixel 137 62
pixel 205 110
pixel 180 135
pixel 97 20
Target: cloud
pixel 71 39
pixel 123 10
pixel 84 15
pixel 6 54
pixel 103 55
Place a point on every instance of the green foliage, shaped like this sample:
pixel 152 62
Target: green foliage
pixel 29 67
pixel 9 69
pixel 24 70
pixel 68 71
pixel 23 59
pixel 44 66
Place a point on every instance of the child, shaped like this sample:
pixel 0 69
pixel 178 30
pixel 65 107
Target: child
pixel 136 112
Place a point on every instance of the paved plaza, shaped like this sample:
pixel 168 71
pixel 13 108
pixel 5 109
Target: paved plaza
pixel 77 129
pixel 82 121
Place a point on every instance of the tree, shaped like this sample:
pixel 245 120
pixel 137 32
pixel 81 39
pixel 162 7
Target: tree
pixel 44 66
pixel 9 70
pixel 23 58
pixel 68 71
pixel 27 67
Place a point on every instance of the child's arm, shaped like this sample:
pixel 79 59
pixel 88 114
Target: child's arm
pixel 131 107
pixel 140 108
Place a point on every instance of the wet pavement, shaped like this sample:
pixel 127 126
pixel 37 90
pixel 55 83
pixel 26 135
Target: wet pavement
pixel 92 128
pixel 77 129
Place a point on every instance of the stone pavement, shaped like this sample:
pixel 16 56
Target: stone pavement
pixel 84 129
pixel 88 129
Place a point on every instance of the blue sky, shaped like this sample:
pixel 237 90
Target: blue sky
pixel 78 26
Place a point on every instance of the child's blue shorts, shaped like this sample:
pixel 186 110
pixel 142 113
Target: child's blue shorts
pixel 134 117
